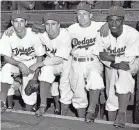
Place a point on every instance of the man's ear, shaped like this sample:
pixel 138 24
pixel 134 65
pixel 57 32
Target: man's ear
pixel 26 22
pixel 59 25
pixel 123 20
pixel 91 15
pixel 11 22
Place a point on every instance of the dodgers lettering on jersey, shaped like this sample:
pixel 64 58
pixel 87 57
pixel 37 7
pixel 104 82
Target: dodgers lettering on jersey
pixel 116 51
pixel 50 52
pixel 85 43
pixel 83 39
pixel 125 47
pixel 59 46
pixel 22 49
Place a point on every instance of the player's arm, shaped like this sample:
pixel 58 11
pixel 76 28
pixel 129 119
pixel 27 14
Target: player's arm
pixel 132 47
pixel 99 47
pixel 104 29
pixel 53 61
pixel 47 62
pixel 39 59
pixel 11 61
pixel 134 67
pixel 6 51
pixel 23 68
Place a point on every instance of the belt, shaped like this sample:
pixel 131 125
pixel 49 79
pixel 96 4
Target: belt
pixel 83 59
pixel 32 58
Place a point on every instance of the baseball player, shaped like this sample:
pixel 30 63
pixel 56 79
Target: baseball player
pixel 20 51
pixel 118 52
pixel 37 27
pixel 86 70
pixel 57 44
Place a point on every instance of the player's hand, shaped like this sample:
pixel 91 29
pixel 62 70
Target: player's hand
pixel 38 27
pixel 104 30
pixel 105 56
pixel 124 65
pixel 24 69
pixel 74 44
pixel 34 67
pixel 9 31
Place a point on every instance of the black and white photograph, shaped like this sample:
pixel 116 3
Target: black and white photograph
pixel 69 65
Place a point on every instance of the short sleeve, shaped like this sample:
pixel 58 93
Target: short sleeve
pixel 64 49
pixel 99 45
pixel 99 24
pixel 5 47
pixel 39 49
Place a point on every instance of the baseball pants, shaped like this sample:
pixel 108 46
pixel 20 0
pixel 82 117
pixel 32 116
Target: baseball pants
pixel 48 74
pixel 117 82
pixel 84 76
pixel 8 70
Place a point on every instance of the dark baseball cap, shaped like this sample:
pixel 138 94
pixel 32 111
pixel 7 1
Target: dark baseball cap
pixel 19 14
pixel 51 16
pixel 116 11
pixel 84 6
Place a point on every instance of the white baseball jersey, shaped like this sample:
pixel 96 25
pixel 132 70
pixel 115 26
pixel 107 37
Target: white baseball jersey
pixel 59 46
pixel 24 50
pixel 84 38
pixel 21 49
pixel 125 47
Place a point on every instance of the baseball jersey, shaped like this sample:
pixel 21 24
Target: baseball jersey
pixel 59 46
pixel 125 47
pixel 21 49
pixel 84 38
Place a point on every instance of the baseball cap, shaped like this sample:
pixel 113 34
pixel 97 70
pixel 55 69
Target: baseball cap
pixel 84 6
pixel 51 16
pixel 19 14
pixel 116 11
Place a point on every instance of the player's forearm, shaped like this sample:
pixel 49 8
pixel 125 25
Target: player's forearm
pixel 11 61
pixel 39 59
pixel 53 61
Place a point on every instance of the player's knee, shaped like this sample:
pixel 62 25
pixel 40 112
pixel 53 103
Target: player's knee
pixel 47 74
pixel 97 84
pixel 6 72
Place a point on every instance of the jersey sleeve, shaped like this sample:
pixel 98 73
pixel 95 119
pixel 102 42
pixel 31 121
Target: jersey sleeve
pixel 39 49
pixel 132 47
pixel 134 67
pixel 64 49
pixel 5 47
pixel 99 24
pixel 100 46
pixel 71 30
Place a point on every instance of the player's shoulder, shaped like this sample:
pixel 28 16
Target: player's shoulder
pixel 64 32
pixel 130 29
pixel 96 25
pixel 30 32
pixel 5 37
pixel 73 26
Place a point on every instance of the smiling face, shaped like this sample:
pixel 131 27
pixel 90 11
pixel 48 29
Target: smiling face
pixel 19 25
pixel 115 24
pixel 84 18
pixel 52 28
